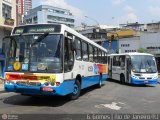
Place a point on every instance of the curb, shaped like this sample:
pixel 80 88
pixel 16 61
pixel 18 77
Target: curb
pixel 2 87
pixel 1 81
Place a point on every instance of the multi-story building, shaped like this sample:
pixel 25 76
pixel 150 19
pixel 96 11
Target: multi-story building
pixel 127 45
pixel 134 26
pixel 27 6
pixel 49 14
pixel 20 7
pixel 153 27
pixel 8 16
pixel 23 7
pixel 149 27
pixel 98 34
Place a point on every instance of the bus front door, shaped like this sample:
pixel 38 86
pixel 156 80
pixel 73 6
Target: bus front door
pixel 128 69
pixel 110 67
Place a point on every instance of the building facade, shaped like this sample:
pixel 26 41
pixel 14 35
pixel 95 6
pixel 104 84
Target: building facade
pixel 8 20
pixel 127 45
pixel 149 27
pixel 8 17
pixel 134 26
pixel 20 7
pixel 27 5
pixel 153 27
pixel 23 7
pixel 49 14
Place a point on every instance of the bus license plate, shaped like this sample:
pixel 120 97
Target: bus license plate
pixel 145 81
pixel 47 89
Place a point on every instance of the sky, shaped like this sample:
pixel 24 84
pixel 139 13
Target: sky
pixel 108 12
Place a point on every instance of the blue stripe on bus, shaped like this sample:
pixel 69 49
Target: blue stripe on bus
pixel 138 81
pixel 65 88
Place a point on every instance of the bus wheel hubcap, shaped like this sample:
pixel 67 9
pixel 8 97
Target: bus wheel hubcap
pixel 75 91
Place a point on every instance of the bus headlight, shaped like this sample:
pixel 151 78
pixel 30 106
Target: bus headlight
pixel 46 83
pixel 9 82
pixel 49 83
pixel 133 76
pixel 155 77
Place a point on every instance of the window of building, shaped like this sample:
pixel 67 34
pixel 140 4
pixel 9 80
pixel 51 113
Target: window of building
pixel 9 1
pixel 6 11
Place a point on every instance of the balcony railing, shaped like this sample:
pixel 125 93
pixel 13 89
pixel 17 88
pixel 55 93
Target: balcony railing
pixel 9 21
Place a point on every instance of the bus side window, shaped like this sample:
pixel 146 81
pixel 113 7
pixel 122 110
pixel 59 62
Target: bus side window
pixel 95 54
pixel 78 49
pixel 85 51
pixel 99 56
pixel 122 61
pixel 103 57
pixel 90 53
pixel 116 61
pixel 68 55
pixel 106 58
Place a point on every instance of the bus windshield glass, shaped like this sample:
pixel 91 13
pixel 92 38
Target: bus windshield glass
pixel 143 64
pixel 35 53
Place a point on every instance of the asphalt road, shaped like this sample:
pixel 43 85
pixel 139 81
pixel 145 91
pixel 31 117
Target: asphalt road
pixel 111 98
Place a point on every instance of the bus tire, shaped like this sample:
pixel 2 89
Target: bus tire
pixel 99 85
pixel 122 79
pixel 76 91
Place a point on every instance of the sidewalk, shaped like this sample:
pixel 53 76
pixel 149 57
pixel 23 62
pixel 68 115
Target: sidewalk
pixel 1 86
pixel 159 78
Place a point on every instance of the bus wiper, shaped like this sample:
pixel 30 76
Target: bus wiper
pixel 40 38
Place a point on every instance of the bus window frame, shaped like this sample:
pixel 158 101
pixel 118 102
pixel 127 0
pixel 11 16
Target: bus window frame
pixel 71 39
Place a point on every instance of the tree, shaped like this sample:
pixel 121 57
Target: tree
pixel 142 50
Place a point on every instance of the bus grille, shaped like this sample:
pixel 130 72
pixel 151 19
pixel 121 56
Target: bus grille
pixel 26 83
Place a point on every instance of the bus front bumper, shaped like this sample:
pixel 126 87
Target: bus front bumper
pixel 62 90
pixel 143 81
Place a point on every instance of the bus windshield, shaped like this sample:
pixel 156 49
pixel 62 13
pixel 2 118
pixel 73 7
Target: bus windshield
pixel 143 64
pixel 35 53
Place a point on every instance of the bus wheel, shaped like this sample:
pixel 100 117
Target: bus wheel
pixel 122 79
pixel 99 85
pixel 76 91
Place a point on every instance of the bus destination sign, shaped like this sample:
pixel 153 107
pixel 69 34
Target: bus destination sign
pixel 36 29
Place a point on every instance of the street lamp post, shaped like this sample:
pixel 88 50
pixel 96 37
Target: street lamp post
pixel 93 20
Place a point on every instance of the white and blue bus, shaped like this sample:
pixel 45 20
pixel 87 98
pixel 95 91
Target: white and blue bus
pixel 52 59
pixel 133 68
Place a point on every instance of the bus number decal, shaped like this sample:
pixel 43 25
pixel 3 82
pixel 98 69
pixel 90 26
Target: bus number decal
pixel 17 66
pixel 90 69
